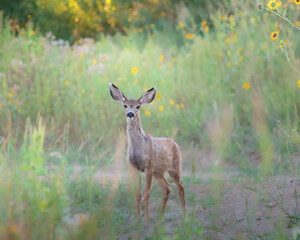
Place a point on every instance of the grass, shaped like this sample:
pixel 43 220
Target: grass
pixel 59 128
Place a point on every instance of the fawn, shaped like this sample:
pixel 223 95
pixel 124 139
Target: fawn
pixel 153 156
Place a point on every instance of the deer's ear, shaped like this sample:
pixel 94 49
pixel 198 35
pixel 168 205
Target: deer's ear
pixel 148 96
pixel 116 93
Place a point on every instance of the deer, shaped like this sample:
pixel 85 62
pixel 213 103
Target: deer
pixel 147 154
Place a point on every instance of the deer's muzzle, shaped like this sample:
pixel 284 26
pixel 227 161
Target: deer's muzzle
pixel 130 115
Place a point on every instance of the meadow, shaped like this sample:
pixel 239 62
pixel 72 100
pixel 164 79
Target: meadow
pixel 229 96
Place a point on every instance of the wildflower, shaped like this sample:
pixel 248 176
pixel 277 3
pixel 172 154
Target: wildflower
pixel 221 18
pixel 1 106
pixel 241 58
pixel 227 40
pixel 206 29
pixel 298 83
pixel 220 53
pixel 181 24
pixel 274 35
pixel 204 23
pixel 134 70
pixel 83 90
pixel 161 57
pixel 170 65
pixel 229 64
pixel 152 25
pixel 32 32
pixel 297 2
pixel 75 103
pixel 66 82
pixel 147 113
pixel 10 95
pixel 94 61
pixel 19 110
pixel 135 81
pixel 174 59
pixel 246 85
pixel 116 67
pixel 160 108
pixel 171 102
pixel 189 36
pixel 177 106
pixel 182 105
pixel 281 44
pixel 297 23
pixel 229 53
pixel 158 96
pixel 80 54
pixel 272 4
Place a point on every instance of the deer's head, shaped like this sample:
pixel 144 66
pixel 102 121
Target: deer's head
pixel 131 106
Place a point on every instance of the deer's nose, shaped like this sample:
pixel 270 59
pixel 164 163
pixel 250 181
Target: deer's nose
pixel 130 115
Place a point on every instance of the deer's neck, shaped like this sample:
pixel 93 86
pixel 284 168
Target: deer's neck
pixel 134 129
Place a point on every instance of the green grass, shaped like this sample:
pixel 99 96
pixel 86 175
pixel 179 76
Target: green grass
pixel 56 113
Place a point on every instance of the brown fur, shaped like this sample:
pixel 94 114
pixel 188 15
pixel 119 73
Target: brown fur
pixel 153 156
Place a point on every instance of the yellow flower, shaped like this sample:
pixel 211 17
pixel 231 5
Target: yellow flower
pixel 161 57
pixel 116 67
pixel 158 96
pixel 246 85
pixel 1 106
pixel 32 32
pixel 203 24
pixel 66 82
pixel 274 35
pixel 298 83
pixel 281 44
pixel 272 4
pixel 229 53
pixel 80 54
pixel 75 103
pixel 134 70
pixel 221 18
pixel 229 64
pixel 189 36
pixel 297 2
pixel 147 113
pixel 227 40
pixel 135 81
pixel 10 95
pixel 152 25
pixel 182 105
pixel 160 108
pixel 171 102
pixel 19 110
pixel 206 29
pixel 297 23
pixel 83 90
pixel 220 53
pixel 94 61
pixel 241 58
pixel 181 24
pixel 174 59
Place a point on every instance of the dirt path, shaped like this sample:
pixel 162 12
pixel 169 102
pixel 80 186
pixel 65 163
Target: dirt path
pixel 231 208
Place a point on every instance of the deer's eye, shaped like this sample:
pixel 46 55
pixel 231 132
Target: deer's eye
pixel 125 106
pixel 138 107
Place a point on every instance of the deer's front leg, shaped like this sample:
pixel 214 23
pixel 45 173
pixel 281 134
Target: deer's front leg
pixel 136 184
pixel 147 193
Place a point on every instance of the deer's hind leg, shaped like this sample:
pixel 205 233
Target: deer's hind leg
pixel 176 177
pixel 165 187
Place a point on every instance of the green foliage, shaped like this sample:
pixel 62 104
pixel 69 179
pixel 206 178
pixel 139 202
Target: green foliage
pixel 89 18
